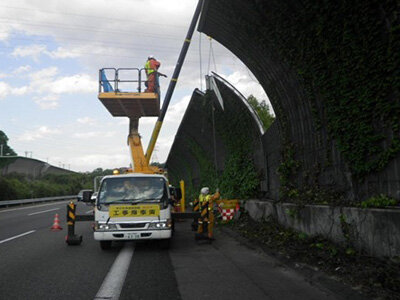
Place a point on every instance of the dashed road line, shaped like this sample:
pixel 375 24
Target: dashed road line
pixel 114 281
pixel 31 206
pixel 43 211
pixel 17 236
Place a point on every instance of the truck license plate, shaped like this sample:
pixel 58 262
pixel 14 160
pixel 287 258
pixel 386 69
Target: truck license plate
pixel 133 236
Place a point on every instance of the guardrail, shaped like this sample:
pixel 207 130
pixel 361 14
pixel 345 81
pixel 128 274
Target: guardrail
pixel 26 201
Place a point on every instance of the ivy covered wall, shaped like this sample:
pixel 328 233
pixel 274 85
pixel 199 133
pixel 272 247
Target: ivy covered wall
pixel 218 148
pixel 331 70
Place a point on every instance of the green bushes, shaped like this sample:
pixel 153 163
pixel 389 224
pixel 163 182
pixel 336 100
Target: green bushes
pixel 379 201
pixel 17 186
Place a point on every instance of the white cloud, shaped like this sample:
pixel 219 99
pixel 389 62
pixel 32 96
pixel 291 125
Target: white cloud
pixel 246 84
pixel 5 89
pixel 47 102
pixel 89 134
pixel 44 81
pixel 22 69
pixel 44 74
pixel 38 133
pixel 32 50
pixel 62 53
pixel 94 134
pixel 79 83
pixel 20 90
pixel 93 161
pixel 5 31
pixel 177 110
pixel 86 121
pixel 17 71
pixel 35 51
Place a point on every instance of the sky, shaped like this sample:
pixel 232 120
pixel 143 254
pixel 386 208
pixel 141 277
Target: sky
pixel 51 52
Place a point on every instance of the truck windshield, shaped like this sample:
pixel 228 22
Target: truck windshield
pixel 132 189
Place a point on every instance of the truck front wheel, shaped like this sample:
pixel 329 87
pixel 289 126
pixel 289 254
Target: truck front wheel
pixel 164 244
pixel 105 245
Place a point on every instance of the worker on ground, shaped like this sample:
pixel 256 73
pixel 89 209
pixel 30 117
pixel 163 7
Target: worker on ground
pixel 151 68
pixel 206 204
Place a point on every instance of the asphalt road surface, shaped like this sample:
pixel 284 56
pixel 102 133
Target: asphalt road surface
pixel 36 263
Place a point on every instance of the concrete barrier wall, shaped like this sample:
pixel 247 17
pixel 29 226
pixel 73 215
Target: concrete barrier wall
pixel 375 231
pixel 31 167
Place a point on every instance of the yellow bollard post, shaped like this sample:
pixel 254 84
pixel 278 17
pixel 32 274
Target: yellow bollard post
pixel 182 184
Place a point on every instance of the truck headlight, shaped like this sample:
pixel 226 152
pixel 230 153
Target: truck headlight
pixel 161 225
pixel 104 227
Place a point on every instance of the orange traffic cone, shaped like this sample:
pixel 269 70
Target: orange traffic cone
pixel 56 225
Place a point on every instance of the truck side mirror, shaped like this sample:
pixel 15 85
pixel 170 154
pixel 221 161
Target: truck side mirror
pixel 87 196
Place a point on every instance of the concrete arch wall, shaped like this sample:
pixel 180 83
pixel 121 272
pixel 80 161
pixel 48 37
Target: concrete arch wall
pixel 195 158
pixel 262 34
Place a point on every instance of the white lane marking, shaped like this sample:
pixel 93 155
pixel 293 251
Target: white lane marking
pixel 112 284
pixel 43 211
pixel 32 206
pixel 17 236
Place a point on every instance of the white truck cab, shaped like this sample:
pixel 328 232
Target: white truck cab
pixel 133 206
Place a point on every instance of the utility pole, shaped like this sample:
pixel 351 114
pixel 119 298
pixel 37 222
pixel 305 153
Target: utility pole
pixel 1 150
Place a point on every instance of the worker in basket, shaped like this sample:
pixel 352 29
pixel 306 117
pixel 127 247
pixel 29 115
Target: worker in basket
pixel 151 68
pixel 206 208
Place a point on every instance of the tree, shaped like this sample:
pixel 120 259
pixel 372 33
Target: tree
pixel 3 143
pixel 262 109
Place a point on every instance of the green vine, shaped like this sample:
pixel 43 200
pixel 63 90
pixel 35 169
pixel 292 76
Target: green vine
pixel 379 201
pixel 347 57
pixel 238 178
pixel 287 170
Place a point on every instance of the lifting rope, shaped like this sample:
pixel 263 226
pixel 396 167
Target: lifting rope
pixel 211 54
pixel 201 67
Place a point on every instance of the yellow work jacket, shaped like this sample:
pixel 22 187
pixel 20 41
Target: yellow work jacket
pixel 149 70
pixel 203 199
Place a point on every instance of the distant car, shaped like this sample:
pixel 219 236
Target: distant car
pixel 80 194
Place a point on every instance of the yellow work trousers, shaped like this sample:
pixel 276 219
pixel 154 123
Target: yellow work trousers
pixel 210 225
